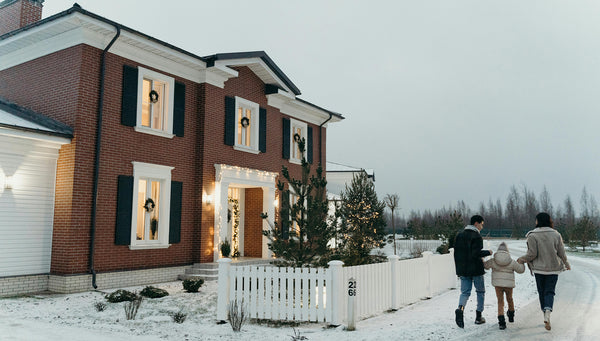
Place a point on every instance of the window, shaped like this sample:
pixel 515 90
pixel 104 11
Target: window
pixel 247 123
pixel 151 202
pixel 298 131
pixel 155 103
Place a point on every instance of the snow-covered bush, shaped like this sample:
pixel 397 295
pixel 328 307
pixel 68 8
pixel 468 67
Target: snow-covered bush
pixel 120 296
pixel 192 284
pixel 153 292
pixel 179 317
pixel 100 306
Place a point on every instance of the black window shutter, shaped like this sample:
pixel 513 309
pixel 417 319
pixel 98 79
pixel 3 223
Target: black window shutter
pixel 286 138
pixel 124 203
pixel 285 216
pixel 129 94
pixel 179 109
pixel 175 216
pixel 309 145
pixel 229 121
pixel 262 130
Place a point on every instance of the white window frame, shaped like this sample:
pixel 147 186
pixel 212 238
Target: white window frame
pixel 163 174
pixel 294 124
pixel 167 130
pixel 254 124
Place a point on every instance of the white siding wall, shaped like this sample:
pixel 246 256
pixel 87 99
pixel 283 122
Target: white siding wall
pixel 26 210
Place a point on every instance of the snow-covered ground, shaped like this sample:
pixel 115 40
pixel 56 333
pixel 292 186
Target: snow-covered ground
pixel 73 316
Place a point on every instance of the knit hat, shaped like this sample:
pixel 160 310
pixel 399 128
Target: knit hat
pixel 503 247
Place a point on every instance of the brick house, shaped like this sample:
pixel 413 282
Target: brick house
pixel 171 153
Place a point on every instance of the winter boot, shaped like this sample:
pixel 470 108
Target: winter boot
pixel 479 319
pixel 459 317
pixel 547 319
pixel 511 315
pixel 501 322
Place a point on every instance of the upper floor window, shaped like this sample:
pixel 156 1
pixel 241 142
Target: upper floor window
pixel 247 120
pixel 152 103
pixel 155 103
pixel 245 125
pixel 298 131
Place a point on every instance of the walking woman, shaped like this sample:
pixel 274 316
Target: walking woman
pixel 547 258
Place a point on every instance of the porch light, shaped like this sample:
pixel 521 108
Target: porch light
pixel 207 199
pixel 276 203
pixel 8 182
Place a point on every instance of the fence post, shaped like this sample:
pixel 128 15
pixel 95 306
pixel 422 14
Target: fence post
pixel 427 255
pixel 393 260
pixel 336 291
pixel 352 291
pixel 223 293
pixel 455 285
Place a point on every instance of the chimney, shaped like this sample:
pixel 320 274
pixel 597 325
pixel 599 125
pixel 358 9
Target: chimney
pixel 15 14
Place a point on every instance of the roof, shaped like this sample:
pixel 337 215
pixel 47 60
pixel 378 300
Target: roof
pixel 333 167
pixel 20 118
pixel 208 60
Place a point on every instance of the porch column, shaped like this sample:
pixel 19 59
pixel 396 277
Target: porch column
pixel 221 197
pixel 269 208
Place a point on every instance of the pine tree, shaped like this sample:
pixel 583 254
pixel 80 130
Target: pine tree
pixel 301 235
pixel 362 223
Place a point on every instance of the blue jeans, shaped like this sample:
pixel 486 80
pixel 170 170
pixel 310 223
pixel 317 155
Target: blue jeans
pixel 545 287
pixel 466 283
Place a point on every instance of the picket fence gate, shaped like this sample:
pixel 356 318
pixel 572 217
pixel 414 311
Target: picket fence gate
pixel 321 294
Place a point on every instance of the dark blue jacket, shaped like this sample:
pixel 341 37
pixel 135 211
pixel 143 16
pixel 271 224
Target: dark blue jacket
pixel 468 253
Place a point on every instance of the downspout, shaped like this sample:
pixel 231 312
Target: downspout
pixel 321 139
pixel 97 156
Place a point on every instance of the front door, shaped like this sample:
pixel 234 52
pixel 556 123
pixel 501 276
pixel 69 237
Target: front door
pixel 235 220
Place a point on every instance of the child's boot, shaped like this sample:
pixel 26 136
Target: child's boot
pixel 501 322
pixel 511 315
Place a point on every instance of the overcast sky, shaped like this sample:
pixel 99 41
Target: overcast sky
pixel 445 100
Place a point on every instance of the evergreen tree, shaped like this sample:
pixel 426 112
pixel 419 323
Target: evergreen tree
pixel 301 235
pixel 361 221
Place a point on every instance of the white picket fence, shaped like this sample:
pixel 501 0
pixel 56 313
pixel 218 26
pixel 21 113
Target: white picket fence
pixel 321 295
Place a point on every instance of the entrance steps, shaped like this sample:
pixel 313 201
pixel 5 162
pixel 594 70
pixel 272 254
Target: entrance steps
pixel 210 271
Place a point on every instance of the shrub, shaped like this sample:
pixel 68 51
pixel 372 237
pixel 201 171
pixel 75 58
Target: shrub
pixel 192 284
pixel 120 296
pixel 153 292
pixel 131 307
pixel 237 315
pixel 225 248
pixel 100 306
pixel 179 317
pixel 442 249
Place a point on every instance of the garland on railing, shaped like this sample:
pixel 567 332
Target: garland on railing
pixel 236 227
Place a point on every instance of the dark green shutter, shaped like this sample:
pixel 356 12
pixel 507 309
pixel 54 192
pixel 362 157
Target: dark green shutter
pixel 229 121
pixel 129 96
pixel 262 131
pixel 286 138
pixel 124 204
pixel 179 109
pixel 175 215
pixel 309 145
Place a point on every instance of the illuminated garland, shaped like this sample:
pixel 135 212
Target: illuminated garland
pixel 236 226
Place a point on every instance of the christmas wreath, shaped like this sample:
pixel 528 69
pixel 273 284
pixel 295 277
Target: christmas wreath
pixel 245 122
pixel 149 205
pixel 153 96
pixel 296 137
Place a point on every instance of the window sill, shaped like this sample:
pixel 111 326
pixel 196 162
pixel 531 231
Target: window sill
pixel 296 162
pixel 246 149
pixel 153 132
pixel 150 246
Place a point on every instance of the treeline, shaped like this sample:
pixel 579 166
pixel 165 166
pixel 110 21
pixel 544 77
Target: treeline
pixel 511 218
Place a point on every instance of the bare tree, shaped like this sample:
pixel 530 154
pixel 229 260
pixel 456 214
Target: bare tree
pixel 546 202
pixel 391 200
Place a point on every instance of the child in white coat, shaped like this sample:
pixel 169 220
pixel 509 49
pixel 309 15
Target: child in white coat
pixel 503 279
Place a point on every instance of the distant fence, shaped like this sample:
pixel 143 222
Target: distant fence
pixel 418 244
pixel 321 295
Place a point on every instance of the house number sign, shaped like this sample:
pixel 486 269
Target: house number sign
pixel 351 287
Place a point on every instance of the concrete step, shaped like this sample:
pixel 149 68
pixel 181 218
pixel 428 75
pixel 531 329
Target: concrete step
pixel 196 271
pixel 206 278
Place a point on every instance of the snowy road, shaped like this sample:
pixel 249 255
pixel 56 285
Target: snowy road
pixel 72 317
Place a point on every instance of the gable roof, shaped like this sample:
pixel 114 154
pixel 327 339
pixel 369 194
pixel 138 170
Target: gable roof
pixel 17 117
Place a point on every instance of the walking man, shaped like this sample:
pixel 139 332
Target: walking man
pixel 468 254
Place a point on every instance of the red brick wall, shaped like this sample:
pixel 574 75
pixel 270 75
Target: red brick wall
pixel 64 86
pixel 18 14
pixel 253 222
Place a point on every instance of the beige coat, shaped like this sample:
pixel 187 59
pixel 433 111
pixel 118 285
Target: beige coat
pixel 503 268
pixel 545 251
